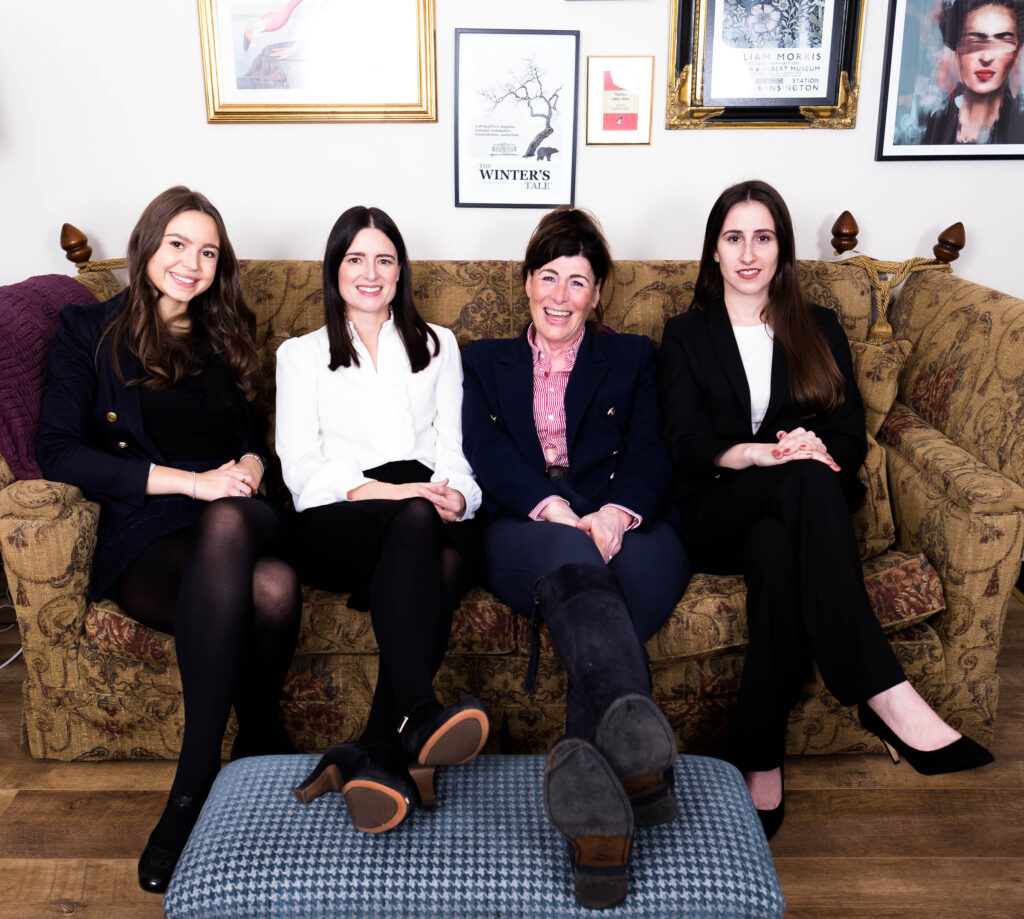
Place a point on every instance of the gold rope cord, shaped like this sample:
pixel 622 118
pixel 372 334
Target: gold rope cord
pixel 898 273
pixel 105 264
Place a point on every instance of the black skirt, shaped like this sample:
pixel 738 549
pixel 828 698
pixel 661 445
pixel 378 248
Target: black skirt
pixel 366 521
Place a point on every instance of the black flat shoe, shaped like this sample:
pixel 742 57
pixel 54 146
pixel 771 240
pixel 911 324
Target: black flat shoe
pixel 377 799
pixel 637 741
pixel 585 801
pixel 961 754
pixel 166 842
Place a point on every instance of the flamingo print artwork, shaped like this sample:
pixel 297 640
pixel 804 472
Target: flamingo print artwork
pixel 269 22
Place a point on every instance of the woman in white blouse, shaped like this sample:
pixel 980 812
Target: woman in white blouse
pixel 369 435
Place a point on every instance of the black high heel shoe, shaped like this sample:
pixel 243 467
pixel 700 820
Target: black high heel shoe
pixel 166 842
pixel 452 737
pixel 961 754
pixel 377 799
pixel 772 819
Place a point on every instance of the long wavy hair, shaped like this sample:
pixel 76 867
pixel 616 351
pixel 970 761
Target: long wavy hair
pixel 569 231
pixel 414 331
pixel 815 380
pixel 219 314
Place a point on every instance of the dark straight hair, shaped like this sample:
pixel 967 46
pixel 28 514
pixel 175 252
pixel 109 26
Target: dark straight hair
pixel 412 328
pixel 815 380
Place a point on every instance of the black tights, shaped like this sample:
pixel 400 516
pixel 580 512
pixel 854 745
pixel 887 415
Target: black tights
pixel 416 582
pixel 234 609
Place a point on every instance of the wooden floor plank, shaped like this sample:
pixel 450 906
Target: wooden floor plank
pixel 902 888
pixel 86 888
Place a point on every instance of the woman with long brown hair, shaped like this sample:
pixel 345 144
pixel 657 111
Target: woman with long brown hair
pixel 766 431
pixel 151 409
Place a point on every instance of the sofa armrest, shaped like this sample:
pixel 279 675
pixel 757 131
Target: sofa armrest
pixel 968 519
pixel 47 537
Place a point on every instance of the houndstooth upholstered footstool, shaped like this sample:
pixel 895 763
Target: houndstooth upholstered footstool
pixel 487 851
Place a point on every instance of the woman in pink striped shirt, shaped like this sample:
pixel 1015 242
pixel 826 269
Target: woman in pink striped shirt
pixel 561 426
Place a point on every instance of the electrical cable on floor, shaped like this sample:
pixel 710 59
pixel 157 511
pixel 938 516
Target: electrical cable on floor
pixel 11 659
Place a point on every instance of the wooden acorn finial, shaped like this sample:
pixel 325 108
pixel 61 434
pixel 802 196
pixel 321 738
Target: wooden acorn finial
pixel 76 244
pixel 844 232
pixel 951 241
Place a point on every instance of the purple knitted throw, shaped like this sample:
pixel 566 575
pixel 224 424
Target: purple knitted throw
pixel 28 317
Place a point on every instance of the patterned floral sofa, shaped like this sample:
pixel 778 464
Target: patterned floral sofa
pixel 941 537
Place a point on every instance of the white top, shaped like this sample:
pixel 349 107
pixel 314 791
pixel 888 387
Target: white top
pixel 332 424
pixel 755 344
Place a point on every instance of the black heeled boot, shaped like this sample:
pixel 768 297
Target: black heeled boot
pixel 593 633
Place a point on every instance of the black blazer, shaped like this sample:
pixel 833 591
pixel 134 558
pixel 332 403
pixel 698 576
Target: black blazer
pixel 90 425
pixel 613 427
pixel 706 400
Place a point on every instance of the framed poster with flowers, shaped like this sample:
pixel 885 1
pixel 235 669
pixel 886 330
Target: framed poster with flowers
pixel 764 63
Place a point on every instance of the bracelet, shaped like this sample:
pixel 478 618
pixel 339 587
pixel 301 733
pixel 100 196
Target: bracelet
pixel 259 459
pixel 193 486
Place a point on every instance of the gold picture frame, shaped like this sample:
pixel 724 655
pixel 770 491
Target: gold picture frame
pixel 699 37
pixel 313 61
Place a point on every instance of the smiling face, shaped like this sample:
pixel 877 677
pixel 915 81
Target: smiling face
pixel 988 48
pixel 368 274
pixel 185 262
pixel 562 293
pixel 748 254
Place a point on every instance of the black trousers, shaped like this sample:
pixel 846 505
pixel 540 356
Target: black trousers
pixel 787 530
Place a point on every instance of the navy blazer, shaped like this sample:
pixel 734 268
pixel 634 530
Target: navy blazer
pixel 706 400
pixel 91 432
pixel 613 427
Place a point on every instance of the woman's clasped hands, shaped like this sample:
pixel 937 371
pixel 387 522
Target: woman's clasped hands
pixel 794 445
pixel 606 526
pixel 235 479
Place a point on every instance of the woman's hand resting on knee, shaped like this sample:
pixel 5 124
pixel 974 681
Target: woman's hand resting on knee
pixel 798 444
pixel 449 502
pixel 228 481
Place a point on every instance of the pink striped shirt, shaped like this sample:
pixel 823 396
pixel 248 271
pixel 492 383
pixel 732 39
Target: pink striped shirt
pixel 549 413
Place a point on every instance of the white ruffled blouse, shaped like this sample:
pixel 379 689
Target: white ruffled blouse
pixel 333 424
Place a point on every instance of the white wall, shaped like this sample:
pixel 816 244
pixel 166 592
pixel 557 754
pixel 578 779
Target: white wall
pixel 102 106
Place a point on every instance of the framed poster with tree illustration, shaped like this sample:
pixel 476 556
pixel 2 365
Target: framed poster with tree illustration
pixel 515 117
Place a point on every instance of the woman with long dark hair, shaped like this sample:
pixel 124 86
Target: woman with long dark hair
pixel 766 431
pixel 370 439
pixel 151 407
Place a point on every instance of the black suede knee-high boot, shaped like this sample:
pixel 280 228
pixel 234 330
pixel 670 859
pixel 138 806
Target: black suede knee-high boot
pixel 610 698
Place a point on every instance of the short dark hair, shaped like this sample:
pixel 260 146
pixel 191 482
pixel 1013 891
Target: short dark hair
pixel 568 231
pixel 953 17
pixel 411 326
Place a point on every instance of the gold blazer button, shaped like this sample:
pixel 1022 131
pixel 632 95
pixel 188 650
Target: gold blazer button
pixel 111 417
pixel 122 445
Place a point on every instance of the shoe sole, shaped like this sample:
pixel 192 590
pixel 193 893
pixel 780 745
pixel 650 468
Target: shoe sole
pixel 585 802
pixel 637 741
pixel 374 807
pixel 457 741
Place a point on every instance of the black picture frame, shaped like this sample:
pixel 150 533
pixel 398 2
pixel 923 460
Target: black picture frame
pixel 744 63
pixel 525 154
pixel 919 109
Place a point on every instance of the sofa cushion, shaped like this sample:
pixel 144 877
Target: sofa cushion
pixel 873 526
pixel 877 366
pixel 28 317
